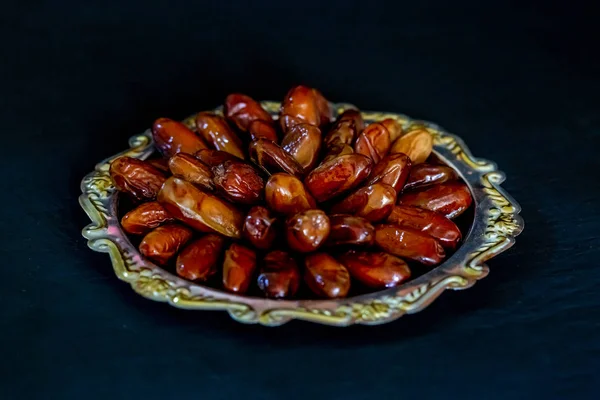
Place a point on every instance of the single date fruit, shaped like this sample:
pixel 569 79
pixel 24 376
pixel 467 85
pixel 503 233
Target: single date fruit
pixel 136 177
pixel 162 243
pixel 200 259
pixel 325 276
pixel 449 199
pixel 189 168
pixel 242 110
pixel 271 158
pixel 416 144
pixel 144 218
pixel 409 243
pixel 260 227
pixel 374 142
pixel 425 175
pixel 279 275
pixel 337 176
pixel 238 268
pixel 393 170
pixel 375 269
pixel 286 194
pixel 429 222
pixel 303 142
pixel 307 230
pixel 171 137
pixel 214 129
pixel 350 230
pixel 373 203
pixel 239 182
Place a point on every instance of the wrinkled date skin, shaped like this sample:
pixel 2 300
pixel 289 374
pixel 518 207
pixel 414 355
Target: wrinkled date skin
pixel 303 142
pixel 376 269
pixel 260 227
pixel 416 144
pixel 409 243
pixel 172 137
pixel 213 158
pixel 429 222
pixel 279 275
pixel 425 175
pixel 286 194
pixel 373 203
pixel 393 127
pixel 189 168
pixel 307 230
pixel 162 243
pixel 337 176
pixel 242 110
pixel 200 210
pixel 325 276
pixel 350 230
pixel 144 218
pixel 200 259
pixel 136 177
pixel 263 130
pixel 214 130
pixel 304 105
pixel 449 199
pixel 373 142
pixel 238 268
pixel 392 170
pixel 239 182
pixel 355 117
pixel 347 127
pixel 271 158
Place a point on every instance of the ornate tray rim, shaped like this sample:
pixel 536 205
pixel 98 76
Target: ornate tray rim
pixel 495 226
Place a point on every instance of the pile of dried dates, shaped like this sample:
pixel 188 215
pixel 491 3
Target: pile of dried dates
pixel 260 205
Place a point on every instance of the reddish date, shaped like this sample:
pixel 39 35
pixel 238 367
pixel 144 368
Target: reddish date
pixel 162 164
pixel 286 194
pixel 199 260
pixel 429 222
pixel 376 269
pixel 350 230
pixel 409 243
pixel 239 182
pixel 425 175
pixel 373 203
pixel 374 142
pixel 304 105
pixel 393 170
pixel 416 144
pixel 172 137
pixel 307 230
pixel 238 268
pixel 303 142
pixel 449 199
pixel 144 218
pixel 242 110
pixel 200 210
pixel 213 158
pixel 271 158
pixel 393 127
pixel 162 243
pixel 189 168
pixel 347 127
pixel 279 275
pixel 337 176
pixel 216 132
pixel 262 130
pixel 325 276
pixel 259 228
pixel 136 177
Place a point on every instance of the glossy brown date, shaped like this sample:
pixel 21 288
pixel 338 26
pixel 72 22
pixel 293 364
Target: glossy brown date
pixel 239 182
pixel 161 164
pixel 374 142
pixel 393 127
pixel 144 218
pixel 347 127
pixel 307 230
pixel 263 130
pixel 337 150
pixel 162 243
pixel 429 222
pixel 172 137
pixel 279 275
pixel 355 117
pixel 416 144
pixel 409 243
pixel 424 175
pixel 136 177
pixel 350 230
pixel 200 210
pixel 337 176
pixel 214 129
pixel 325 276
pixel 374 202
pixel 189 168
pixel 303 142
pixel 200 259
pixel 286 194
pixel 375 269
pixel 392 170
pixel 449 199
pixel 271 158
pixel 213 158
pixel 238 268
pixel 260 227
pixel 304 105
pixel 242 110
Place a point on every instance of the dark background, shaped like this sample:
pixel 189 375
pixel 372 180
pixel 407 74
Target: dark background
pixel 518 80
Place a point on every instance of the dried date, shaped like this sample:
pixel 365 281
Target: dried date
pixel 374 202
pixel 449 199
pixel 425 175
pixel 286 194
pixel 214 129
pixel 350 230
pixel 260 227
pixel 200 259
pixel 242 110
pixel 189 168
pixel 279 275
pixel 144 218
pixel 429 222
pixel 307 230
pixel 162 243
pixel 172 137
pixel 136 177
pixel 238 268
pixel 325 276
pixel 409 243
pixel 337 176
pixel 239 182
pixel 271 158
pixel 374 142
pixel 303 142
pixel 376 269
pixel 392 170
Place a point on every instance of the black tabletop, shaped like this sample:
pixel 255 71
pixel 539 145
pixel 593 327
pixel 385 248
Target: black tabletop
pixel 519 81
